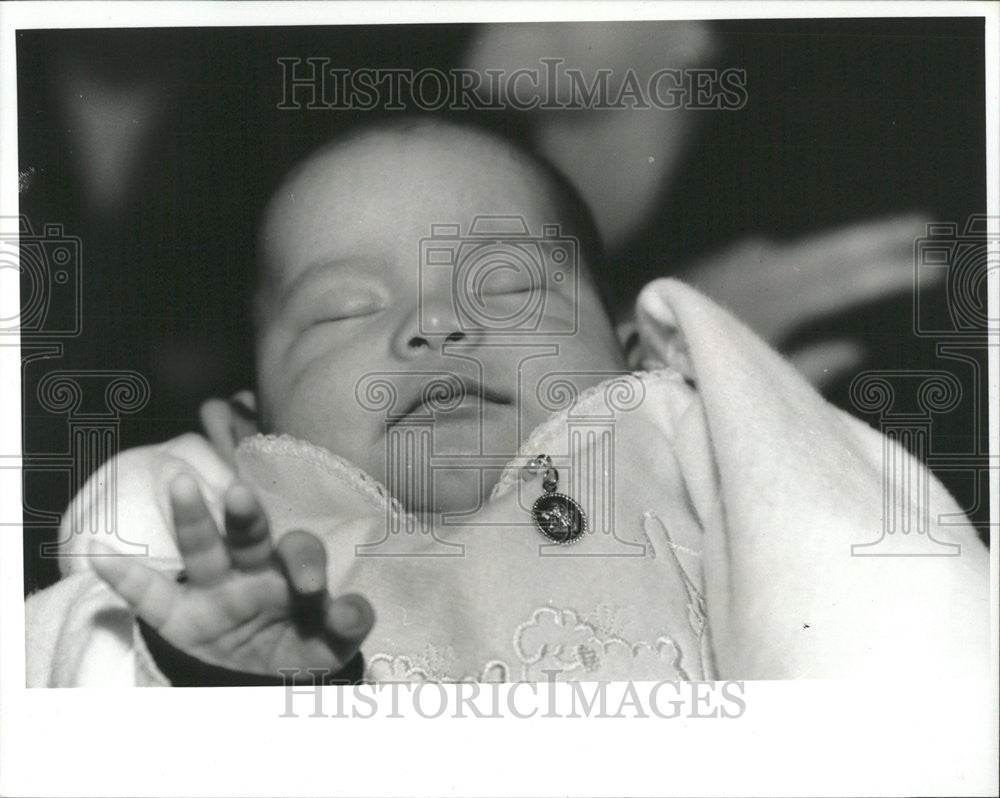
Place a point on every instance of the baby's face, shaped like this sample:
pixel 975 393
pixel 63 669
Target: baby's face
pixel 349 303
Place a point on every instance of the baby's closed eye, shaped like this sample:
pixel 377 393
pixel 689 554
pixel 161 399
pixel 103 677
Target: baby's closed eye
pixel 501 278
pixel 341 304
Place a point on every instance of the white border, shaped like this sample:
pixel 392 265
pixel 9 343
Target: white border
pixel 159 13
pixel 834 738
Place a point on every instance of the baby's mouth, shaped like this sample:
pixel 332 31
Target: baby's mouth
pixel 439 397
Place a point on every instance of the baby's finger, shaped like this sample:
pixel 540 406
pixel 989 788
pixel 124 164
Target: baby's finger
pixel 150 594
pixel 215 421
pixel 205 557
pixel 303 559
pixel 248 536
pixel 348 620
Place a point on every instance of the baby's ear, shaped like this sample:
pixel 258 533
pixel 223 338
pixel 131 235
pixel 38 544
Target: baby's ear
pixel 228 421
pixel 627 331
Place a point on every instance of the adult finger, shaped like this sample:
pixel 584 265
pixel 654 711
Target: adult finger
pixel 248 536
pixel 205 558
pixel 825 362
pixel 850 284
pixel 890 236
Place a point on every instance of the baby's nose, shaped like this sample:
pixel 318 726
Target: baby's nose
pixel 430 330
pixel 429 341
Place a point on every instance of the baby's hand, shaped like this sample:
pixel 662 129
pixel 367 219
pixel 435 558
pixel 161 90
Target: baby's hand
pixel 245 604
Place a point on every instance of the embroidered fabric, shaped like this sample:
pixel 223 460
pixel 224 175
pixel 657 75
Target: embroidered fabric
pixel 554 644
pixel 697 614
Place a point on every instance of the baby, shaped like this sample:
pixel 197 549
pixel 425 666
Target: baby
pixel 445 428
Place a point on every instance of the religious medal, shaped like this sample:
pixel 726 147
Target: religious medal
pixel 556 515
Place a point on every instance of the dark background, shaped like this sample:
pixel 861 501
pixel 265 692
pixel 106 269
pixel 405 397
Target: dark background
pixel 846 120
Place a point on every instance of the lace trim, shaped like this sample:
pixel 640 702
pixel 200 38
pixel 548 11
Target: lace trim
pixel 387 668
pixel 539 437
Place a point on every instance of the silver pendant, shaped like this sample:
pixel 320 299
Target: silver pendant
pixel 556 515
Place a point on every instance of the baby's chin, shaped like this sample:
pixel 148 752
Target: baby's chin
pixel 453 466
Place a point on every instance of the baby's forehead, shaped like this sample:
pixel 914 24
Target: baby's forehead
pixel 381 183
pixel 456 143
pixel 405 160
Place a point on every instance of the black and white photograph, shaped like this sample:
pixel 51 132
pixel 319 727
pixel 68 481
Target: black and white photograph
pixel 571 382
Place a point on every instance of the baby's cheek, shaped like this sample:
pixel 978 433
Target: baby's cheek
pixel 551 385
pixel 316 412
